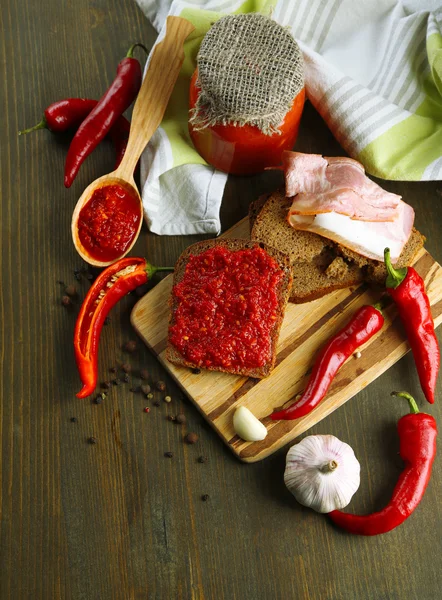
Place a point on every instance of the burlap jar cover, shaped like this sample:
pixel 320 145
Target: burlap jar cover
pixel 250 69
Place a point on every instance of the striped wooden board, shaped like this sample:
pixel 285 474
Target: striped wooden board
pixel 305 328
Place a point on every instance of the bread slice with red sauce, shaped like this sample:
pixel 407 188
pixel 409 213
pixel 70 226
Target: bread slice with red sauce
pixel 282 290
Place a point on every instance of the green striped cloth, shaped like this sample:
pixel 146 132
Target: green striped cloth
pixel 373 71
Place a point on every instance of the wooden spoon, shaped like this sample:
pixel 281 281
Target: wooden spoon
pixel 152 100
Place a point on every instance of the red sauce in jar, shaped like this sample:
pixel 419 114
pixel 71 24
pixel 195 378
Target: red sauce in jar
pixel 108 222
pixel 227 308
pixel 244 149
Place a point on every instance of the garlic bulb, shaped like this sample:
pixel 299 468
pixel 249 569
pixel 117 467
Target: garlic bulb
pixel 247 426
pixel 322 472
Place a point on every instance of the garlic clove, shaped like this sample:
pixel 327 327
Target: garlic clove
pixel 322 473
pixel 247 426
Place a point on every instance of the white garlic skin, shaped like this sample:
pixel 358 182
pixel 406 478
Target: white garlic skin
pixel 247 426
pixel 322 473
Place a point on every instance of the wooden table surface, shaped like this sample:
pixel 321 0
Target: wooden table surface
pixel 117 519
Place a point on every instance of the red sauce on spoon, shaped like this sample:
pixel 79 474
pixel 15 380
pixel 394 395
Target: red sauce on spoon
pixel 108 223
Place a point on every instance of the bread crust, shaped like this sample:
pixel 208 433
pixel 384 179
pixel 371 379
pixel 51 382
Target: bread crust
pixel 175 357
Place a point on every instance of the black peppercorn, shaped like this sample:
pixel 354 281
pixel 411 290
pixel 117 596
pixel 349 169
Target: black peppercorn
pixel 113 369
pixel 156 403
pixel 77 274
pixel 98 399
pixel 202 459
pixel 170 418
pixel 71 290
pixel 168 454
pixel 130 346
pixel 144 374
pixel 92 440
pixel 196 371
pixel 205 497
pixel 191 438
pixel 135 389
pixel 107 320
pixel 106 385
pixel 116 381
pixel 126 378
pixel 74 419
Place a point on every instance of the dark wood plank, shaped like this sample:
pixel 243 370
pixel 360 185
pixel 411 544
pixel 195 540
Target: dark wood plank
pixel 117 519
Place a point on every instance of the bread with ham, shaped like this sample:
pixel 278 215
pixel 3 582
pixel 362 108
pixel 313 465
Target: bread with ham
pixel 334 223
pixel 335 199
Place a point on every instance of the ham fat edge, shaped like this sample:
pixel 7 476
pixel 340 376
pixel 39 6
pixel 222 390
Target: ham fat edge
pixel 335 199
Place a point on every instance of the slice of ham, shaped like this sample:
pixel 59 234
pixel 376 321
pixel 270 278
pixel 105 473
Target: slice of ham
pixel 323 184
pixel 368 238
pixel 335 199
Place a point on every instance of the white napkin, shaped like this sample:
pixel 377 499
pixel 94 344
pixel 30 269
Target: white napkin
pixel 373 71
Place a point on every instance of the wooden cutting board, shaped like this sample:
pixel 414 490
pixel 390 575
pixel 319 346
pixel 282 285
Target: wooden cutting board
pixel 305 328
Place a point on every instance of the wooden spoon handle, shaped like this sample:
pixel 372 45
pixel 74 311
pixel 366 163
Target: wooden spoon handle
pixel 153 97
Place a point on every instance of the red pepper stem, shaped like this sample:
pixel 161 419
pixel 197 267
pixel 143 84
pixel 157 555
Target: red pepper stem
pixel 394 276
pixel 130 52
pixel 42 125
pixel 411 401
pixel 151 270
pixel 382 304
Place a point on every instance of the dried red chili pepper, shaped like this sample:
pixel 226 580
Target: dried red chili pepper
pixel 417 433
pixel 111 105
pixel 112 284
pixel 71 112
pixel 367 321
pixel 407 288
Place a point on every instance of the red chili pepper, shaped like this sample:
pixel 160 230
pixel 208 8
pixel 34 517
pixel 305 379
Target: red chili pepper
pixel 417 433
pixel 63 115
pixel 367 321
pixel 407 288
pixel 112 105
pixel 112 284
pixel 71 112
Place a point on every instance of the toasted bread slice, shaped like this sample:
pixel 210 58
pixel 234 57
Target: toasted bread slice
pixel 282 290
pixel 317 271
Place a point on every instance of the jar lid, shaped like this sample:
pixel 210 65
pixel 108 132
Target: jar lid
pixel 250 69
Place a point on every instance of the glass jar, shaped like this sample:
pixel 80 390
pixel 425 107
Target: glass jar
pixel 244 149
